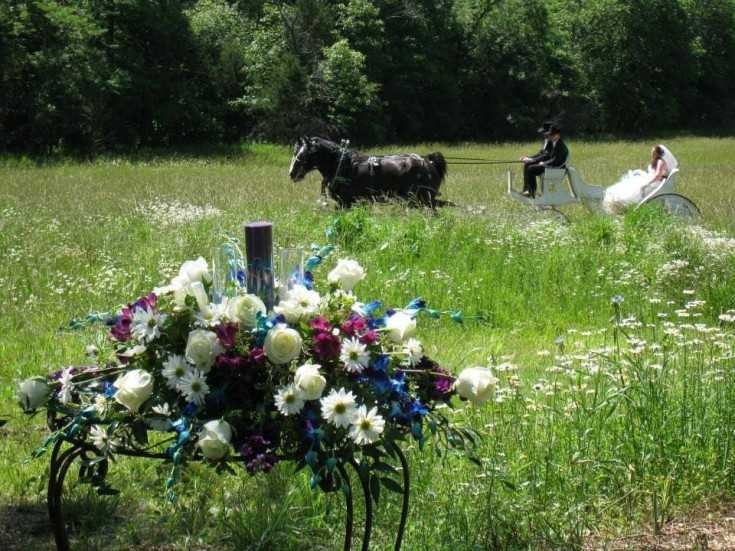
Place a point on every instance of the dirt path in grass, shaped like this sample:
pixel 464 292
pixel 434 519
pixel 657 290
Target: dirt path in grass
pixel 28 529
pixel 702 530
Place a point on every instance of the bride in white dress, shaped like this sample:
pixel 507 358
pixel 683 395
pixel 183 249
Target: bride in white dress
pixel 631 188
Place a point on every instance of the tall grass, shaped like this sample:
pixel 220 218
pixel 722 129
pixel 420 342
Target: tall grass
pixel 611 416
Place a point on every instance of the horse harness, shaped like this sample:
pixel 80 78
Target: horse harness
pixel 374 162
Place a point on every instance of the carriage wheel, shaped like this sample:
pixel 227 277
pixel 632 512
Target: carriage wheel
pixel 676 205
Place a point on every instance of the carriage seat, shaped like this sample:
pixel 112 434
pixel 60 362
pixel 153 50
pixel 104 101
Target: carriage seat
pixel 551 190
pixel 666 186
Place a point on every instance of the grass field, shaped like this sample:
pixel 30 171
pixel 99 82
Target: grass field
pixel 611 416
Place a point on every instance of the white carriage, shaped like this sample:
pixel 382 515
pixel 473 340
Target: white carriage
pixel 562 186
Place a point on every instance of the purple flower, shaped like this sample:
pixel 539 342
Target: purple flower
pixel 227 334
pixel 320 324
pixel 354 326
pixel 326 347
pixel 121 330
pixel 234 363
pixel 369 338
pixel 443 387
pixel 256 454
pixel 256 357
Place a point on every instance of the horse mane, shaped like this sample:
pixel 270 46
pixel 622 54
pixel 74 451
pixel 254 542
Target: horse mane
pixel 327 144
pixel 439 163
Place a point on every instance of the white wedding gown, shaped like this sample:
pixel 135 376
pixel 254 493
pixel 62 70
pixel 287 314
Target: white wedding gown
pixel 628 191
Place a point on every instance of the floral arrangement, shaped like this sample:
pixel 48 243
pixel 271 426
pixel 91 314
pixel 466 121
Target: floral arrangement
pixel 321 380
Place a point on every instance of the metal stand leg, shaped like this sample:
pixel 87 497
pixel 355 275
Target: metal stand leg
pixel 406 492
pixel 365 483
pixel 60 463
pixel 349 522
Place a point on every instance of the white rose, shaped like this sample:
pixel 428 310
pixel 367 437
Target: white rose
pixel 133 388
pixel 475 384
pixel 214 440
pixel 32 392
pixel 282 344
pixel 245 309
pixel 310 381
pixel 192 271
pixel 195 289
pixel 202 349
pixel 346 274
pixel 400 326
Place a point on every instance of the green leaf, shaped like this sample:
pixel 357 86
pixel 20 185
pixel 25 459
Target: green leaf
pixel 384 467
pixel 391 485
pixel 375 488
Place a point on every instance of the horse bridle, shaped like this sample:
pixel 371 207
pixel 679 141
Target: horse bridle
pixel 306 147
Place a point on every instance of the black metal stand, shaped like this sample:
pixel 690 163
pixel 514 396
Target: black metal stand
pixel 61 461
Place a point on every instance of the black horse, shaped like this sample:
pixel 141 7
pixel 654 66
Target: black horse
pixel 349 176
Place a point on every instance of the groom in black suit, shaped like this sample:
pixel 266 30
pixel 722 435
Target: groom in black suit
pixel 553 154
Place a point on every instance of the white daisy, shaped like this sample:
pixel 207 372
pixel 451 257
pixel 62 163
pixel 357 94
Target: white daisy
pixel 66 381
pixel 101 440
pixel 146 325
pixel 193 386
pixel 210 315
pixel 100 405
pixel 413 349
pixel 339 407
pixel 367 426
pixel 289 399
pixel 299 304
pixel 354 355
pixel 174 369
pixel 161 420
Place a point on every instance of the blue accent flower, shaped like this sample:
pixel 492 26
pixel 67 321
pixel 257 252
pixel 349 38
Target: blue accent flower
pixel 416 409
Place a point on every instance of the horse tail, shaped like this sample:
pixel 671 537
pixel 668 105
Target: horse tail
pixel 439 163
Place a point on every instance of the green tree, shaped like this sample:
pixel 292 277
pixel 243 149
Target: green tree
pixel 159 86
pixel 221 33
pixel 53 76
pixel 420 71
pixel 341 85
pixel 515 71
pixel 633 62
pixel 713 46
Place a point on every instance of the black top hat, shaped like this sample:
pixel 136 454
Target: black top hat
pixel 545 127
pixel 553 128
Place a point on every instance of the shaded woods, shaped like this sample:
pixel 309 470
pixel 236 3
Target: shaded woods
pixel 91 75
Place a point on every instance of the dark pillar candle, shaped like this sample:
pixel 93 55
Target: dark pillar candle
pixel 259 253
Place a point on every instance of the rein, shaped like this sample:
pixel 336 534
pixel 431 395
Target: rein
pixel 472 161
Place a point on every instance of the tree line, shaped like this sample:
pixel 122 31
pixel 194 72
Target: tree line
pixel 88 75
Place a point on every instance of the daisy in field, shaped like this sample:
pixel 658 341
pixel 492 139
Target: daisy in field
pixel 367 426
pixel 354 355
pixel 339 407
